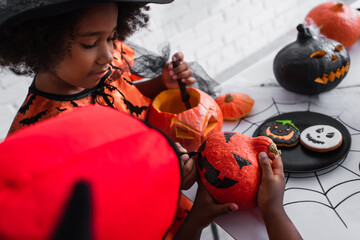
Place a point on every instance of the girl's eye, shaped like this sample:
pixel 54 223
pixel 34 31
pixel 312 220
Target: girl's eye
pixel 112 38
pixel 86 46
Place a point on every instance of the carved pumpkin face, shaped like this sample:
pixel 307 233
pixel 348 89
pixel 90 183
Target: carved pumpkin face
pixel 311 64
pixel 189 127
pixel 229 169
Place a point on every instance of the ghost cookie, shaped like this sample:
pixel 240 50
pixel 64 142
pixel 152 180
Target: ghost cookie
pixel 282 132
pixel 321 138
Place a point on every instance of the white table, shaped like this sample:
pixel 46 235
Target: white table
pixel 322 204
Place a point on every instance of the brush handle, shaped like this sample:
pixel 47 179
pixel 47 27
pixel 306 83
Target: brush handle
pixel 191 154
pixel 185 97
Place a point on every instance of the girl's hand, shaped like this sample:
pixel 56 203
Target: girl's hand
pixel 183 72
pixel 271 190
pixel 202 213
pixel 206 209
pixel 270 200
pixel 188 168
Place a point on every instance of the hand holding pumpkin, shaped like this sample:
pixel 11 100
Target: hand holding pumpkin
pixel 183 72
pixel 189 172
pixel 271 189
pixel 206 208
pixel 188 168
pixel 270 200
pixel 203 212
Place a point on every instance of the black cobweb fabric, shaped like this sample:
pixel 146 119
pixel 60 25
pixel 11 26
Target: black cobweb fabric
pixel 148 64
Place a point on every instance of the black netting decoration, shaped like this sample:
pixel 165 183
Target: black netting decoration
pixel 148 64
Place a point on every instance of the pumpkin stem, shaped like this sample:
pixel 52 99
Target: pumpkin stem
pixel 229 97
pixel 340 4
pixel 304 33
pixel 273 150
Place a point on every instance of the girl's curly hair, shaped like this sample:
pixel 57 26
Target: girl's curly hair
pixel 40 44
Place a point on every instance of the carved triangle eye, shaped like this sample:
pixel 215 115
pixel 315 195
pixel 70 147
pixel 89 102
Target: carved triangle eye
pixel 330 135
pixel 184 132
pixel 334 58
pixel 211 125
pixel 338 48
pixel 318 54
pixel 319 130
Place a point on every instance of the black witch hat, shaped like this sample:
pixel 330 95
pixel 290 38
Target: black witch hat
pixel 13 12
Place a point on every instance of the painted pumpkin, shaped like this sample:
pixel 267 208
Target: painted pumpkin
pixel 189 127
pixel 311 65
pixel 229 169
pixel 235 106
pixel 336 21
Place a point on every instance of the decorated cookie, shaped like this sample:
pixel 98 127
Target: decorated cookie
pixel 321 138
pixel 282 132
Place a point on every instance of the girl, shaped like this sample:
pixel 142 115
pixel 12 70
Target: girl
pixel 76 51
pixel 79 59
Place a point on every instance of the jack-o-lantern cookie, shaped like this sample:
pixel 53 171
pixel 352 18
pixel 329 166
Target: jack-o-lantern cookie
pixel 282 132
pixel 321 138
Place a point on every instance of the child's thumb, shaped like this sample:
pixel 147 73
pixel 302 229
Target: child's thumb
pixel 264 163
pixel 225 208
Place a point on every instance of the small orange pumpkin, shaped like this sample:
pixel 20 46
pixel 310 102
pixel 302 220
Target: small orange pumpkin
pixel 235 105
pixel 229 168
pixel 189 127
pixel 337 21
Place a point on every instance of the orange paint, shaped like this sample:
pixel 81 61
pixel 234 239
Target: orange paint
pixel 285 137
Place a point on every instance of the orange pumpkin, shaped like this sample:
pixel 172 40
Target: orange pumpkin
pixel 235 105
pixel 189 127
pixel 229 168
pixel 336 21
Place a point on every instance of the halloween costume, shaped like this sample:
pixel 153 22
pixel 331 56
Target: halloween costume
pixel 123 177
pixel 115 89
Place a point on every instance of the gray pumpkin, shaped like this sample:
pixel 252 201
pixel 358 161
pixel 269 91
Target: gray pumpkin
pixel 311 64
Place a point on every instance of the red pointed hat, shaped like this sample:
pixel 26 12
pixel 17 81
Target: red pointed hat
pixel 13 12
pixel 132 172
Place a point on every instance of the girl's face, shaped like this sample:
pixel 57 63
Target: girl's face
pixel 91 52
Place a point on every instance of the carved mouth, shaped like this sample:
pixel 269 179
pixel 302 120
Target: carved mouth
pixel 311 139
pixel 332 75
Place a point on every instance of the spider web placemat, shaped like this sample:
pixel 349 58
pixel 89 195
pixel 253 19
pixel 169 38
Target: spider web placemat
pixel 322 204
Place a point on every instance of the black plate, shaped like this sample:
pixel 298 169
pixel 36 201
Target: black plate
pixel 299 158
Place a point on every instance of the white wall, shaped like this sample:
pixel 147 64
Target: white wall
pixel 219 34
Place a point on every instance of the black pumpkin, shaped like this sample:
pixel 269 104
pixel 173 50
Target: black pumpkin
pixel 311 64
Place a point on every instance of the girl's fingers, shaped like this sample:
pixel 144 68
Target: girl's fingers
pixel 277 166
pixel 182 68
pixel 265 165
pixel 180 148
pixel 189 165
pixel 189 81
pixel 221 209
pixel 178 56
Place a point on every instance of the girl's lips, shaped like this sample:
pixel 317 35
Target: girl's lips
pixel 99 74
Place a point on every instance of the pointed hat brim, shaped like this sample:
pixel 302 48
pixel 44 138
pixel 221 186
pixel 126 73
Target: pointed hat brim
pixel 13 12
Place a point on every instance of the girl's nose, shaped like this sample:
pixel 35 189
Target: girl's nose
pixel 105 54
